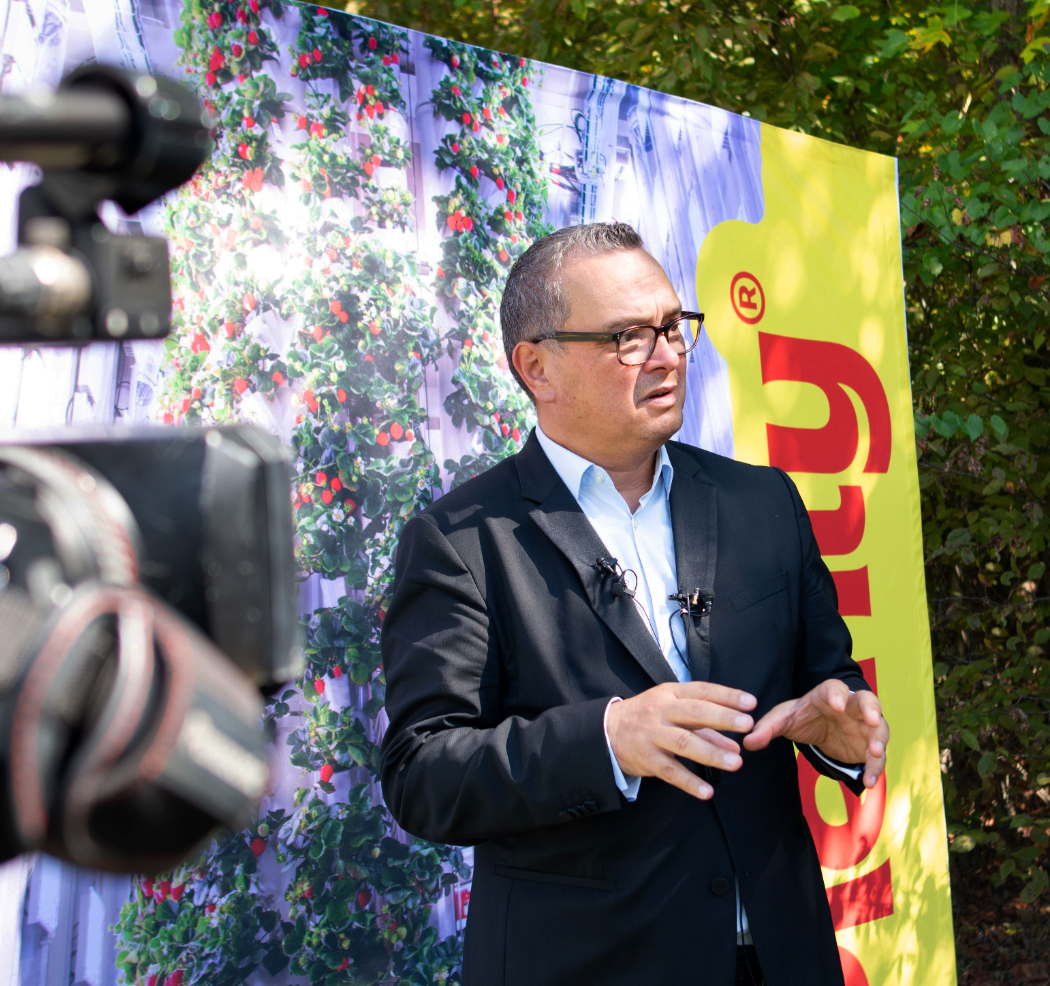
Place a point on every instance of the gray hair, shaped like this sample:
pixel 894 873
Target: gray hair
pixel 533 304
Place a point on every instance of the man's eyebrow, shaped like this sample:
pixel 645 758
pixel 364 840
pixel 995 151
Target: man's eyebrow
pixel 629 322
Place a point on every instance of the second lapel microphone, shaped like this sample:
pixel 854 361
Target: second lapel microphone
pixel 611 567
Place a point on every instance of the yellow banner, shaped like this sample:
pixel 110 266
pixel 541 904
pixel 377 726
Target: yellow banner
pixel 807 307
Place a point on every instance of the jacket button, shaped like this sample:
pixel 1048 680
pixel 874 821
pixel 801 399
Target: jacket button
pixel 720 886
pixel 591 805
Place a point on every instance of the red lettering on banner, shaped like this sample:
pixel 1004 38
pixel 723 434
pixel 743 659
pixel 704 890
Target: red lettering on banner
pixel 866 898
pixel 852 971
pixel 853 592
pixel 461 897
pixel 841 846
pixel 839 532
pixel 832 367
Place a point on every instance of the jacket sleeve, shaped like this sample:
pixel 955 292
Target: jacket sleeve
pixel 825 647
pixel 454 768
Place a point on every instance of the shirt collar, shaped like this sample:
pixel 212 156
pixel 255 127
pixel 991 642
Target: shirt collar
pixel 572 467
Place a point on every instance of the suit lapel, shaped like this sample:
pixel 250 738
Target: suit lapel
pixel 694 523
pixel 559 516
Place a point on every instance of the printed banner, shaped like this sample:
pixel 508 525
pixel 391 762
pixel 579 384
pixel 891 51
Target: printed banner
pixel 337 268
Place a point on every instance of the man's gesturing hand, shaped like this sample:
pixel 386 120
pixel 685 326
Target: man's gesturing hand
pixel 648 731
pixel 844 725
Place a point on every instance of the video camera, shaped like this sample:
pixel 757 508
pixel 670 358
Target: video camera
pixel 147 579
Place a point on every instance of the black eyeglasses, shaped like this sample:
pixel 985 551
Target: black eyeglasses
pixel 634 346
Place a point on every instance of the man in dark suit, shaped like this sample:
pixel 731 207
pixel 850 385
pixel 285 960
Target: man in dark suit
pixel 573 634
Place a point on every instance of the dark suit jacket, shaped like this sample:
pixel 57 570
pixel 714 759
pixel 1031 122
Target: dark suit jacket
pixel 502 646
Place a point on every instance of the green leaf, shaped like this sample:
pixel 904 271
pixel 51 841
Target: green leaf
pixel 974 427
pixel 846 12
pixel 986 765
pixel 970 740
pixel 998 426
pixel 1035 886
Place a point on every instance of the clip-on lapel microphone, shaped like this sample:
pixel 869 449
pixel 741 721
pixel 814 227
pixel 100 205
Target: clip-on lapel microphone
pixel 611 567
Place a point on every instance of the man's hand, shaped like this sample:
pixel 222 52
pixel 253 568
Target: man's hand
pixel 648 731
pixel 844 725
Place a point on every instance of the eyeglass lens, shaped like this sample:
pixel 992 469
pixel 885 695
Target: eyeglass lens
pixel 637 345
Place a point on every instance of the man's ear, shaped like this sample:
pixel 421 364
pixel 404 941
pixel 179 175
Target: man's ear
pixel 530 360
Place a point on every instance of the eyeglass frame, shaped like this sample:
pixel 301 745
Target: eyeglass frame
pixel 616 336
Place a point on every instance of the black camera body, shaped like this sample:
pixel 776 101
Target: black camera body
pixel 147 595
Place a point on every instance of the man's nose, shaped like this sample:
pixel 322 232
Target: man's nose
pixel 664 356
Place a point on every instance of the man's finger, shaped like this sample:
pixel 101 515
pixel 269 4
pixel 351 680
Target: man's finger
pixel 716 738
pixel 695 714
pixel 706 691
pixel 686 743
pixel 670 770
pixel 770 726
pixel 868 707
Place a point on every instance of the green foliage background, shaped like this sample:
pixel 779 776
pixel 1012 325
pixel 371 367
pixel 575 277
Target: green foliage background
pixel 959 94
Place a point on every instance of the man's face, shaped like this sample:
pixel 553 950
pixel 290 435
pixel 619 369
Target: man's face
pixel 581 388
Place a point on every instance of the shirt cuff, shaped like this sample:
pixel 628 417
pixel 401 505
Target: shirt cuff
pixel 852 772
pixel 628 785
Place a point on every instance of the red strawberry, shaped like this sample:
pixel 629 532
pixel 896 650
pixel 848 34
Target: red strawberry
pixel 499 184
pixel 466 118
pixel 304 61
pixel 237 51
pixel 319 686
pixel 147 888
pixel 504 256
pixel 316 130
pixel 249 122
pixel 515 434
pixel 185 405
pixel 410 435
pixel 395 58
pixel 337 672
pixel 209 908
pixel 308 893
pixel 382 438
pixel 303 122
pixel 364 898
pixel 521 63
pixel 254 5
pixel 152 980
pixel 278 377
pixel 337 483
pixel 335 306
pixel 374 327
pixel 487 113
pixel 379 108
pixel 500 138
pixel 455 61
pixel 326 497
pixel 321 479
pixel 508 215
pixel 253 38
pixel 518 215
pixel 258 846
pixel 242 149
pixel 210 78
pixel 168 419
pixel 386 59
pixel 177 892
pixel 317 54
pixel 524 80
pixel 505 429
pixel 230 327
pixel 163 889
pixel 468 223
pixel 340 395
pixel 511 195
pixel 373 44
pixel 440 272
pixel 240 385
pixel 317 332
pixel 502 362
pixel 349 504
pixel 377 160
pixel 369 168
pixel 396 431
pixel 473 171
pixel 249 301
pixel 455 148
pixel 344 965
pixel 326 772
pixel 343 317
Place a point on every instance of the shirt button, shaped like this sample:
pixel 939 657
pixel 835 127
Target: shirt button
pixel 720 886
